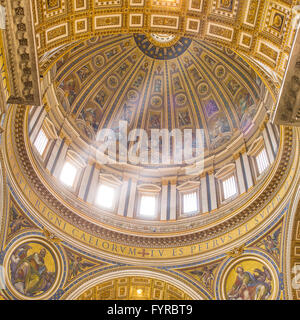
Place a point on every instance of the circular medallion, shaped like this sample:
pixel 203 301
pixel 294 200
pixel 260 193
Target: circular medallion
pixel 99 61
pixel 113 82
pixel 229 52
pixel 180 99
pixel 132 95
pixel 156 101
pixel 220 71
pixel 249 278
pixel 93 39
pixel 203 88
pixel 33 269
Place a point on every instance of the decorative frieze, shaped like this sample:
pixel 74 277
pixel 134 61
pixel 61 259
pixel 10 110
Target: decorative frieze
pixel 21 54
pixel 251 209
pixel 287 111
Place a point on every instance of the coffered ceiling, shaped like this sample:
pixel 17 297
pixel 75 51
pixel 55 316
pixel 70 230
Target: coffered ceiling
pixel 262 29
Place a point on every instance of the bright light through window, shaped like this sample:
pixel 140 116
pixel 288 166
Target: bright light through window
pixel 229 187
pixel 190 203
pixel 262 161
pixel 68 174
pixel 41 142
pixel 148 206
pixel 105 196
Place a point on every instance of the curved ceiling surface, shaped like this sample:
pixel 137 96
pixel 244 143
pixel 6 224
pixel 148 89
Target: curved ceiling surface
pixel 155 82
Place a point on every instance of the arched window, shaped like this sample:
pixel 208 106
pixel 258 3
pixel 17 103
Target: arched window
pixel 259 157
pixel 41 142
pixel 229 187
pixel 107 191
pixel 189 197
pixel 68 174
pixel 227 182
pixel 148 201
pixel 72 170
pixel 190 202
pixel 262 161
pixel 105 197
pixel 148 206
pixel 46 135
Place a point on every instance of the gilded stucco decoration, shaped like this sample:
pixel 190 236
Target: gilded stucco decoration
pixel 262 29
pixel 153 64
pixel 134 288
pixel 69 273
pixel 33 268
pixel 92 234
pixel 249 278
pixel 187 85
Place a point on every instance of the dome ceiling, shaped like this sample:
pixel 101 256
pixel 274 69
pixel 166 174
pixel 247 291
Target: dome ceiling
pixel 155 82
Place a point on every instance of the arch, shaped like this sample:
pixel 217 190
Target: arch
pixel 3 199
pixel 290 239
pixel 128 272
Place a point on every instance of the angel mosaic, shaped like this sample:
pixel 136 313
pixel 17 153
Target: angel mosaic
pixel 210 61
pixel 77 265
pixel 101 98
pixel 206 275
pixel 177 84
pixel 139 80
pixel 244 101
pixel 184 118
pixel 233 86
pixel 91 115
pixel 195 74
pixel 84 73
pixel 126 113
pixel 123 68
pixel 271 243
pixel 70 88
pixel 155 121
pixel 157 85
pixel 112 53
pixel 17 222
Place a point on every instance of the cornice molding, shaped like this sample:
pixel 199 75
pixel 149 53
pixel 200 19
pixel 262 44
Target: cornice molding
pixel 140 240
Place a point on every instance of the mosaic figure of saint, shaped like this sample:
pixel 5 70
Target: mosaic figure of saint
pixel 29 273
pixel 251 286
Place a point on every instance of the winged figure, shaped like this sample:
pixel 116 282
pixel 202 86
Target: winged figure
pixel 262 276
pixel 17 221
pixel 271 243
pixel 205 274
pixel 77 265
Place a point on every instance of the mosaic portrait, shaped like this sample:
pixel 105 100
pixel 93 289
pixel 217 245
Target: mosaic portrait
pixel 249 280
pixel 33 269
